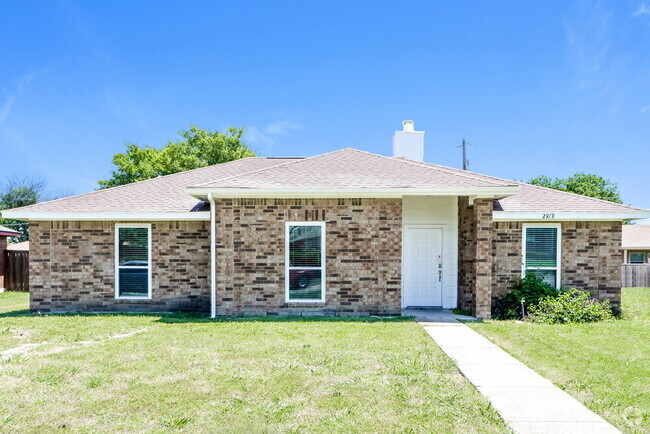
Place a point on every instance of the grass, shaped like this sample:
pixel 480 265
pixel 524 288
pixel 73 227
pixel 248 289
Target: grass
pixel 189 373
pixel 605 365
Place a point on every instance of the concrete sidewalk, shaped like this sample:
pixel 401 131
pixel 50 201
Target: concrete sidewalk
pixel 527 402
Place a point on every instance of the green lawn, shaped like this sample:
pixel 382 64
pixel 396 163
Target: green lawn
pixel 604 365
pixel 180 372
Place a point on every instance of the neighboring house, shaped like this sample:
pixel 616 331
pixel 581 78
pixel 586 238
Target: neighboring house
pixel 4 234
pixel 345 233
pixel 23 246
pixel 636 244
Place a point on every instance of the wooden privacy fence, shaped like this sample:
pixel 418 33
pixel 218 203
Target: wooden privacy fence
pixel 17 270
pixel 635 275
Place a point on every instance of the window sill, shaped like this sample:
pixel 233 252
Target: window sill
pixel 304 302
pixel 133 298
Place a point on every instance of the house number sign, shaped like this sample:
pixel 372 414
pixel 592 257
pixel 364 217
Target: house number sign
pixel 549 215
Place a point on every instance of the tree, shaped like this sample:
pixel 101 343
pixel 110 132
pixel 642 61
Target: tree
pixel 199 148
pixel 17 191
pixel 582 183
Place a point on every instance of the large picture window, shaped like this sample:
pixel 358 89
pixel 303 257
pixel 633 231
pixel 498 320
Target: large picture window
pixel 305 261
pixel 133 261
pixel 541 252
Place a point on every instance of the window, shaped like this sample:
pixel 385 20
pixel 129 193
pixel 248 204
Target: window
pixel 637 258
pixel 541 252
pixel 305 261
pixel 132 261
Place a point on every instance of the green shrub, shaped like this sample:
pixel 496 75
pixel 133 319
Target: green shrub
pixel 531 289
pixel 570 306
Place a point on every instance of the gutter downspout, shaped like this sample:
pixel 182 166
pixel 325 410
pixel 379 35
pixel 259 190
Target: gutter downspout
pixel 213 257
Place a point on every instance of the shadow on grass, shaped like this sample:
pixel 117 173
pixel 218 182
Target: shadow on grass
pixel 181 318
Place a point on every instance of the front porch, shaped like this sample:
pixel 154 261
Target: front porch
pixel 447 253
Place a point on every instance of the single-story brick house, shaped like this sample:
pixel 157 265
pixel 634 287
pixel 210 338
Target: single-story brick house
pixel 636 244
pixel 345 233
pixel 5 233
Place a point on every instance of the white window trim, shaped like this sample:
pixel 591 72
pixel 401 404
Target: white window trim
pixel 558 268
pixel 117 259
pixel 287 268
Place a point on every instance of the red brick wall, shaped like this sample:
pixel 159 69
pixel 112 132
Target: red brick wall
pixel 466 251
pixel 506 267
pixel 591 257
pixel 475 233
pixel 483 259
pixel 363 242
pixel 72 267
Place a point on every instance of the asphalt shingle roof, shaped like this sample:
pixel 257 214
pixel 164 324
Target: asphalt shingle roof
pixel 346 168
pixel 162 194
pixel 351 168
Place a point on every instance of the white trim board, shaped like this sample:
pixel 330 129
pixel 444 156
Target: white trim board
pixel 106 216
pixel 550 216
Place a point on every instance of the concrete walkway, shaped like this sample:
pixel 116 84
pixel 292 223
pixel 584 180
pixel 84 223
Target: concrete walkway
pixel 527 402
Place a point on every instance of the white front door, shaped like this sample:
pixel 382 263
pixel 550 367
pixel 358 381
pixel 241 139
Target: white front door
pixel 422 266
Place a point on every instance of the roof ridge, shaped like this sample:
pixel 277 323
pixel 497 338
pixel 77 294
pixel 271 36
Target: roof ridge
pixel 452 170
pixel 133 183
pixel 271 167
pixel 393 159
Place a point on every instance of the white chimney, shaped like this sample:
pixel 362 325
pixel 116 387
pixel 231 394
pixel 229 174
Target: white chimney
pixel 409 143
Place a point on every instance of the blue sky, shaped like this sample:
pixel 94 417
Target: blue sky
pixel 538 87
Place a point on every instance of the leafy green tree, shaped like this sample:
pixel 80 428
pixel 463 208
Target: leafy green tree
pixel 582 183
pixel 199 148
pixel 16 193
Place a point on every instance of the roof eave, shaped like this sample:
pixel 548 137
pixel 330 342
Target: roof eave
pixel 549 216
pixel 235 193
pixel 106 216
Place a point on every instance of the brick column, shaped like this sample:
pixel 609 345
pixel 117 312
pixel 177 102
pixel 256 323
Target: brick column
pixel 482 299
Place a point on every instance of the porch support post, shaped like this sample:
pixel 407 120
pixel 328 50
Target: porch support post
pixel 213 257
pixel 483 230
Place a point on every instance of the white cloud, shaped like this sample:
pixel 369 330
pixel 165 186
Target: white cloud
pixel 643 9
pixel 268 134
pixel 645 109
pixel 282 128
pixel 8 105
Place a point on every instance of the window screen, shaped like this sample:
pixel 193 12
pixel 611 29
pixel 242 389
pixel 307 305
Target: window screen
pixel 541 253
pixel 305 262
pixel 133 265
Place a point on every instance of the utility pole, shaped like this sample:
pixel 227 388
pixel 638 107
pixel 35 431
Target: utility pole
pixel 465 162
